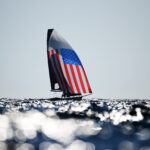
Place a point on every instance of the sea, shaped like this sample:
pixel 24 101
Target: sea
pixel 87 124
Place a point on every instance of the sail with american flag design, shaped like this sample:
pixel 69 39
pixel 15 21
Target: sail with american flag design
pixel 66 71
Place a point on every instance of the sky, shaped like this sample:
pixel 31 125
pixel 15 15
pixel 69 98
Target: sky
pixel 112 39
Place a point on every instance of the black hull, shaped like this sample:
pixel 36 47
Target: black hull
pixel 65 98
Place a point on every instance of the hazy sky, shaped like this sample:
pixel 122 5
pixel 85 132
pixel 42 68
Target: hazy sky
pixel 111 37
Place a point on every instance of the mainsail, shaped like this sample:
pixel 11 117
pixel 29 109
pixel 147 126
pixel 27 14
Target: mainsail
pixel 65 68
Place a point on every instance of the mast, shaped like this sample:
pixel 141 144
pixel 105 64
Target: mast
pixel 65 67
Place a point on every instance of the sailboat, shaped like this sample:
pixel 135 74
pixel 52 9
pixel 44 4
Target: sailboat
pixel 66 71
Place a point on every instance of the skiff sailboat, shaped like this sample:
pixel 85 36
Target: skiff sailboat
pixel 66 71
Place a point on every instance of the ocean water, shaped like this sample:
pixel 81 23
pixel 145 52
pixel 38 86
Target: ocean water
pixel 88 124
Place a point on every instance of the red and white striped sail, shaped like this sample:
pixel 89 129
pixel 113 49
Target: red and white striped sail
pixel 65 66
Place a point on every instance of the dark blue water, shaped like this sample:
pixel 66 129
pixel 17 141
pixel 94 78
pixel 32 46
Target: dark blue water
pixel 41 124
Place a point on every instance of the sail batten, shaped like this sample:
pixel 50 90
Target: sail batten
pixel 65 67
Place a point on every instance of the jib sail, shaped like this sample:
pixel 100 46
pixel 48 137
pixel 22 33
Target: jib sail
pixel 65 68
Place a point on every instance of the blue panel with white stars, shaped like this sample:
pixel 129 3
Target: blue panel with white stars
pixel 70 57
